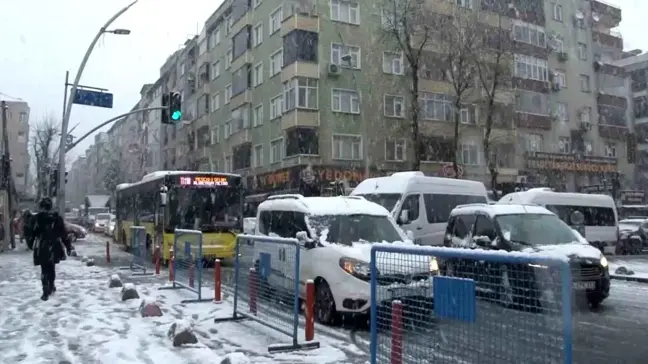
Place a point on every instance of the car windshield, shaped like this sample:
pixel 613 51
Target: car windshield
pixel 386 200
pixel 103 216
pixel 535 229
pixel 357 228
pixel 204 209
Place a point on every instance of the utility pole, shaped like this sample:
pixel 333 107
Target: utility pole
pixel 6 174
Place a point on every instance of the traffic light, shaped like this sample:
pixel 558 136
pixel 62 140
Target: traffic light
pixel 175 106
pixel 165 112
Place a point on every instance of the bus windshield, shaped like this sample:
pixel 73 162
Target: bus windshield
pixel 205 209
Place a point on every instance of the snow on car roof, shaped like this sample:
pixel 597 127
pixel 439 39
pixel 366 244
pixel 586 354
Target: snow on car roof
pixel 503 209
pixel 637 221
pixel 398 183
pixel 546 196
pixel 340 205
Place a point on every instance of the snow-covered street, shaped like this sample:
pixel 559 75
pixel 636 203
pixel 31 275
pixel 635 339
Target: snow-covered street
pixel 86 322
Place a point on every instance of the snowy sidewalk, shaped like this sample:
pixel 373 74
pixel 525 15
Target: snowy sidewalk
pixel 86 322
pixel 622 266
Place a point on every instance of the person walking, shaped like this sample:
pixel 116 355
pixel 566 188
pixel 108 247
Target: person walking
pixel 51 240
pixel 28 228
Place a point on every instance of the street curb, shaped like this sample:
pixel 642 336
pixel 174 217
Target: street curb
pixel 629 278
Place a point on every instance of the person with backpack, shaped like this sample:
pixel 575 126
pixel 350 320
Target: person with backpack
pixel 51 244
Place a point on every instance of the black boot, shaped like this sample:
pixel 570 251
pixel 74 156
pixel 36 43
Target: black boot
pixel 46 290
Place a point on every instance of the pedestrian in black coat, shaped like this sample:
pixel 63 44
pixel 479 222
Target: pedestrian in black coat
pixel 50 246
pixel 28 228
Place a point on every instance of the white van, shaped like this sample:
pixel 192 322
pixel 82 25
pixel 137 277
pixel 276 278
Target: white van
pixel 421 204
pixel 336 235
pixel 600 211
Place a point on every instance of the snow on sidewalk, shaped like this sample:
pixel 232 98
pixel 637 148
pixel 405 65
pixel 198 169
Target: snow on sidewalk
pixel 85 322
pixel 636 264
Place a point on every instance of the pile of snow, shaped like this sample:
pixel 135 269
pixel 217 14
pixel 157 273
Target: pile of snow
pixel 181 332
pixel 73 253
pixel 90 262
pixel 84 259
pixel 235 358
pixel 129 292
pixel 115 281
pixel 150 307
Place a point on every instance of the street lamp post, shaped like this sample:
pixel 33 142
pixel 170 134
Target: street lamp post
pixel 68 108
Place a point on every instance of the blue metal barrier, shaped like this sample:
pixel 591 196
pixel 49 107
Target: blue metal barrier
pixel 138 252
pixel 188 263
pixel 267 287
pixel 444 305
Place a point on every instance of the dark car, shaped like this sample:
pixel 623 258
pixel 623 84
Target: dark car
pixel 75 231
pixel 528 229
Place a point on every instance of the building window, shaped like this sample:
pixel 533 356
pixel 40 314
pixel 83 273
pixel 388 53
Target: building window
pixel 338 51
pixel 257 156
pixel 582 51
pixel 302 141
pixel 587 147
pixel 228 58
pixel 300 46
pixel 22 117
pixel 300 93
pixel 557 12
pixel 531 68
pixel 466 4
pixel 275 20
pixel 227 129
pixel 275 107
pixel 435 106
pixel 214 136
pixel 214 40
pixel 276 150
pixel 257 76
pixel 394 106
pixel 347 101
pixel 276 62
pixel 345 11
pixel 228 164
pixel 215 101
pixel 393 63
pixel 347 147
pixel 215 70
pixel 561 113
pixel 257 35
pixel 240 118
pixel 228 93
pixel 560 79
pixel 564 145
pixel 395 150
pixel 469 154
pixel 529 33
pixel 531 102
pixel 585 115
pixel 585 83
pixel 610 150
pixel 533 143
pixel 257 116
pixel 467 114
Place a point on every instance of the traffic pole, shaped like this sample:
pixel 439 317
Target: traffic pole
pixel 217 281
pixel 309 311
pixel 158 260
pixel 107 251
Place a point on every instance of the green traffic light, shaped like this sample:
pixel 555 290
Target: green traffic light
pixel 177 115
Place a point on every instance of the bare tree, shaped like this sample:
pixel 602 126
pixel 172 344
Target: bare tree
pixel 43 143
pixel 458 39
pixel 408 24
pixel 492 65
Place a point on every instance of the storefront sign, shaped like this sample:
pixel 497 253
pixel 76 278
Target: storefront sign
pixel 570 163
pixel 630 197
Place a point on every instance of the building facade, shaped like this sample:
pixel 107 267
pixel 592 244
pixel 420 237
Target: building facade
pixel 18 130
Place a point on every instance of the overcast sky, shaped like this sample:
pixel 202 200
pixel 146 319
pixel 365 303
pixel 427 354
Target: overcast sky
pixel 41 39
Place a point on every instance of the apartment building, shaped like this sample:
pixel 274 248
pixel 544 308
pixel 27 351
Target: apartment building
pixel 18 130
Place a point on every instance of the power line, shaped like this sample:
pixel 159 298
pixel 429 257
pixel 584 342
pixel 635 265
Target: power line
pixel 11 97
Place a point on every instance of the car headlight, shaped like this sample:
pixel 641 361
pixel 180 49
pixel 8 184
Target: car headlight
pixel 604 262
pixel 356 268
pixel 434 265
pixel 84 231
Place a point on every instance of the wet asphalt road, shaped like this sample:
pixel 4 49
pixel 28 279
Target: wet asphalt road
pixel 615 333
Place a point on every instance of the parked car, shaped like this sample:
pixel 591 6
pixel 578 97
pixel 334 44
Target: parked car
pixel 633 236
pixel 100 222
pixel 75 232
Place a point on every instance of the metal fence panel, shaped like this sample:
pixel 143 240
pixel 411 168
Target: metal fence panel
pixel 138 251
pixel 187 263
pixel 267 286
pixel 482 307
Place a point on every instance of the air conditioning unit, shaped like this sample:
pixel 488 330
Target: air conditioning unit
pixel 334 69
pixel 563 56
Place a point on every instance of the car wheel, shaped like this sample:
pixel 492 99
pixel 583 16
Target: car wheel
pixel 595 302
pixel 325 310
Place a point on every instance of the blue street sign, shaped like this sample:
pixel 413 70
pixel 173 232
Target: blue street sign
pixel 93 98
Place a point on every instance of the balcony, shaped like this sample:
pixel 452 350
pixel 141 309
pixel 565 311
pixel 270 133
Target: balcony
pixel 299 117
pixel 242 60
pixel 300 69
pixel 608 38
pixel 611 100
pixel 238 100
pixel 609 69
pixel 615 132
pixel 532 121
pixel 300 21
pixel 608 14
pixel 531 85
pixel 244 21
pixel 240 137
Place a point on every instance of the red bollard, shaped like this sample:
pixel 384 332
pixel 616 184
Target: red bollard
pixel 397 333
pixel 309 311
pixel 107 252
pixel 158 260
pixel 252 290
pixel 191 273
pixel 217 281
pixel 171 264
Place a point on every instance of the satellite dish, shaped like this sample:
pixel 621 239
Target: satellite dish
pixel 595 16
pixel 579 15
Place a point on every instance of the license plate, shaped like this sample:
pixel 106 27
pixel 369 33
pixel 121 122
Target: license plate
pixel 584 285
pixel 420 291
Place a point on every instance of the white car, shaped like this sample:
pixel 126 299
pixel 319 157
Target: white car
pixel 336 235
pixel 100 222
pixel 109 229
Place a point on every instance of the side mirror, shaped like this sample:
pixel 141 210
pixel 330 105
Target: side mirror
pixel 404 217
pixel 163 195
pixel 482 240
pixel 303 239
